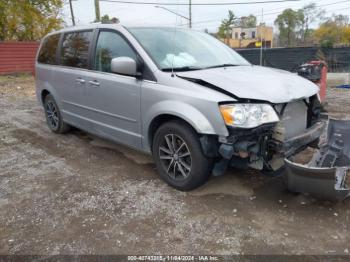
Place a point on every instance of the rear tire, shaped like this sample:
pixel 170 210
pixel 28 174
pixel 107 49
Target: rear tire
pixel 53 116
pixel 179 158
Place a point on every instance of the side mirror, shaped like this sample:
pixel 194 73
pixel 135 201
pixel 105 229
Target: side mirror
pixel 124 66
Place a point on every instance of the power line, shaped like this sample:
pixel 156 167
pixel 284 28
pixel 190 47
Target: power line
pixel 280 12
pixel 323 5
pixel 282 8
pixel 199 4
pixel 340 9
pixel 335 3
pixel 332 11
pixel 273 13
pixel 265 14
pixel 173 12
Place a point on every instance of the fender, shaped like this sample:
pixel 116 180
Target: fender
pixel 178 109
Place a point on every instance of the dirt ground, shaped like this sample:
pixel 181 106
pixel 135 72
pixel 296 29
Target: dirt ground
pixel 77 194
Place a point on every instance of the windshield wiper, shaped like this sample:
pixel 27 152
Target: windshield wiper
pixel 179 69
pixel 222 65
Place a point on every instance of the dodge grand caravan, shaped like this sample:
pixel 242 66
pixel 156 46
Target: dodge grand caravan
pixel 186 98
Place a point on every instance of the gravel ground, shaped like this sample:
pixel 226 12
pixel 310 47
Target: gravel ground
pixel 77 194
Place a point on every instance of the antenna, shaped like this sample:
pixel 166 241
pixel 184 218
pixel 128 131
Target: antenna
pixel 190 13
pixel 262 30
pixel 174 43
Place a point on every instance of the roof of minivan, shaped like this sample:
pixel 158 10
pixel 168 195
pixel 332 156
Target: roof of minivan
pixel 100 25
pixel 86 27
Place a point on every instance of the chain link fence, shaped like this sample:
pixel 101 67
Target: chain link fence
pixel 337 59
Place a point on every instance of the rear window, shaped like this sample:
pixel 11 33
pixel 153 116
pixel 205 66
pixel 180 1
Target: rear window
pixel 47 54
pixel 75 49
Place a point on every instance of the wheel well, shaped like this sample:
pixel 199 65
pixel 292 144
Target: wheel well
pixel 160 120
pixel 44 93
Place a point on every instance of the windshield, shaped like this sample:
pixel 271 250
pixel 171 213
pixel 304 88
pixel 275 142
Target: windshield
pixel 185 49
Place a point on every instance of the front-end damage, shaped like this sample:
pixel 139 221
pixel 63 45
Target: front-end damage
pixel 323 171
pixel 273 145
pixel 316 158
pixel 266 146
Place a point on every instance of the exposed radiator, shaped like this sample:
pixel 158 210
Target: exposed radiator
pixel 294 119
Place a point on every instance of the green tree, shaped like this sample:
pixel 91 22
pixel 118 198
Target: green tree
pixel 288 24
pixel 335 30
pixel 248 21
pixel 29 19
pixel 106 20
pixel 225 28
pixel 309 14
pixel 3 19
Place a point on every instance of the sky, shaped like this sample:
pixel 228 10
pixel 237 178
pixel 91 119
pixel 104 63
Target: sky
pixel 204 17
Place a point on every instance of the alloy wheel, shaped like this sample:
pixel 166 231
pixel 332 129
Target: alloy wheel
pixel 52 115
pixel 175 157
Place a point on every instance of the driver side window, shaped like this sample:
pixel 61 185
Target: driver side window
pixel 110 45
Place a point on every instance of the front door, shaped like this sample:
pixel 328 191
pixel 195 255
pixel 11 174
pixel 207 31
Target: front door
pixel 113 100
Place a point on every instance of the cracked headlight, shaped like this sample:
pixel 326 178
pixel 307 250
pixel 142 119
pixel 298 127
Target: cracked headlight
pixel 248 115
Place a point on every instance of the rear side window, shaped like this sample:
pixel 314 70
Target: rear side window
pixel 75 49
pixel 47 54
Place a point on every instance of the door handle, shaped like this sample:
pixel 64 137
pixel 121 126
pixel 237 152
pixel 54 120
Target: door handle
pixel 94 83
pixel 80 80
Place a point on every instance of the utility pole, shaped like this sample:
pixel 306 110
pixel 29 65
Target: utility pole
pixel 97 11
pixel 71 12
pixel 190 13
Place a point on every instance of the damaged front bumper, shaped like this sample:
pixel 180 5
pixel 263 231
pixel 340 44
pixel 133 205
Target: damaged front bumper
pixel 323 173
pixel 266 146
pixel 292 145
pixel 325 183
pixel 327 174
pixel 260 148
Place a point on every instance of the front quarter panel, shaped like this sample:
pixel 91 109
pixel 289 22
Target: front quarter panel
pixel 195 104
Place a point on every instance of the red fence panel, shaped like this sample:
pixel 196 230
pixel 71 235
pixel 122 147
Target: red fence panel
pixel 17 57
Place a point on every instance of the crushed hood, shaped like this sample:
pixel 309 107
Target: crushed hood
pixel 255 82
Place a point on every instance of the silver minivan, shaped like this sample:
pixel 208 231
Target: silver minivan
pixel 181 95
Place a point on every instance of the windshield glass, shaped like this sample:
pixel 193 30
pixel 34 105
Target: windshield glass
pixel 185 49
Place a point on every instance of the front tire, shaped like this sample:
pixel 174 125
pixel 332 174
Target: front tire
pixel 53 116
pixel 179 157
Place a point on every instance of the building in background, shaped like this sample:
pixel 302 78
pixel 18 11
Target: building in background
pixel 251 37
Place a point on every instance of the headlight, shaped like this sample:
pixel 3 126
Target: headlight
pixel 248 115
